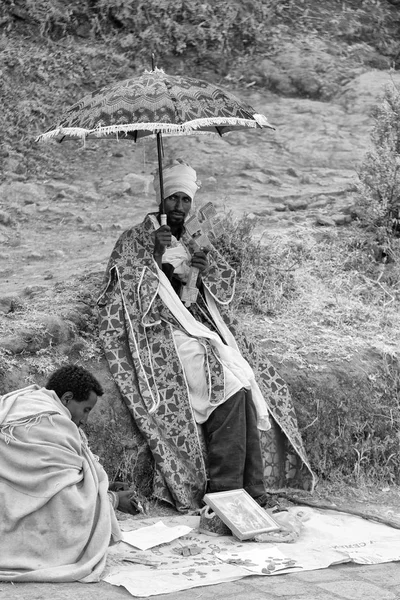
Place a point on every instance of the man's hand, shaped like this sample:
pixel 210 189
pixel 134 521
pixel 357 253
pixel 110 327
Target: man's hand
pixel 162 239
pixel 199 261
pixel 125 505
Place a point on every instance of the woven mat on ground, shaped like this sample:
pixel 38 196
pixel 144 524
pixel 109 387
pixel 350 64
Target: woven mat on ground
pixel 327 538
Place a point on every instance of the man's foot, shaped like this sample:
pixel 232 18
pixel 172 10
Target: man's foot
pixel 269 501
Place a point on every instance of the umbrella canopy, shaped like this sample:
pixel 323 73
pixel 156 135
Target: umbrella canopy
pixel 155 103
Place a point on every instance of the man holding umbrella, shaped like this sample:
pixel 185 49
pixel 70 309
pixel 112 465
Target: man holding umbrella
pixel 209 424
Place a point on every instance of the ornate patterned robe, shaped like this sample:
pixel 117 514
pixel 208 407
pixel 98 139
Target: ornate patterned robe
pixel 136 329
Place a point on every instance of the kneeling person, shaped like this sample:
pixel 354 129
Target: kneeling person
pixel 57 517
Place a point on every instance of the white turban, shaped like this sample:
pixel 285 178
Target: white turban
pixel 178 178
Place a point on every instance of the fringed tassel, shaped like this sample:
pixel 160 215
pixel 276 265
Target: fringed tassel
pixel 7 430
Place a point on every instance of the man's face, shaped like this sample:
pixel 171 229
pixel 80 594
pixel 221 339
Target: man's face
pixel 177 207
pixel 80 410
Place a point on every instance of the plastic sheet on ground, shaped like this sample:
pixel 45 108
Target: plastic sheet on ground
pixel 327 538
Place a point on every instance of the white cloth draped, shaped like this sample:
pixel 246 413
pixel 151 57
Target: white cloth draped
pixel 237 371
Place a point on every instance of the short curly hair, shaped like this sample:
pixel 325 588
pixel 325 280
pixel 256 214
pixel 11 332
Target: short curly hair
pixel 75 379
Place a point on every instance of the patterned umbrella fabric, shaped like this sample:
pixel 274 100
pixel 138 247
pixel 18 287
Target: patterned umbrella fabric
pixel 155 103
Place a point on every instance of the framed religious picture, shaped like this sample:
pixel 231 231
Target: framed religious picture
pixel 244 517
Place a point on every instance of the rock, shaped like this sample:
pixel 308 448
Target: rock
pixel 307 83
pixel 60 187
pixel 350 209
pixel 280 207
pixel 56 329
pixel 35 256
pixel 300 204
pixel 275 78
pixel 256 175
pixel 209 182
pixel 268 171
pixel 253 164
pixel 275 181
pixel 306 178
pixel 271 199
pixel 292 172
pixel 341 219
pixel 34 290
pixel 78 318
pixel 13 344
pixel 320 202
pixel 139 184
pixel 324 221
pixel 89 196
pixel 117 188
pixel 61 195
pixel 5 218
pixel 9 303
pixel 51 330
pixel 96 227
pixel 74 351
pixel 266 212
pixel 17 193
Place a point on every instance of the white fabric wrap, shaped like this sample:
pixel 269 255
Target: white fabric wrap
pixel 192 353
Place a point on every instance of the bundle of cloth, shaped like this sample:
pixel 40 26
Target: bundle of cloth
pixel 57 520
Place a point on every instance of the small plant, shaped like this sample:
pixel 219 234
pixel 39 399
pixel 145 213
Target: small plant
pixel 265 268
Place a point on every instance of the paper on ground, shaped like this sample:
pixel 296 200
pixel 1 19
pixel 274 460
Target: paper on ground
pixel 263 559
pixel 149 537
pixel 144 582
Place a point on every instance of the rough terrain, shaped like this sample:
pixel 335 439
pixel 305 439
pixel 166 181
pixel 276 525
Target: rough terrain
pixel 299 176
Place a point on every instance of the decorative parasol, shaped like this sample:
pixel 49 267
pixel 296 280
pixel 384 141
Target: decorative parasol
pixel 151 105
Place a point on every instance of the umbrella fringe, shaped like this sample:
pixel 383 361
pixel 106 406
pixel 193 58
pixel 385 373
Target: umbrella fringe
pixel 257 120
pixel 77 132
pixel 195 125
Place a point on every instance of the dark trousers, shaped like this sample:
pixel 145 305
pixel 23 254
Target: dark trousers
pixel 233 446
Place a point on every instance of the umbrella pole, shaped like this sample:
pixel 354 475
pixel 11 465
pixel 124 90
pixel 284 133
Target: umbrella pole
pixel 163 216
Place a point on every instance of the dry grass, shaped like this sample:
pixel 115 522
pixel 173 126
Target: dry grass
pixel 323 293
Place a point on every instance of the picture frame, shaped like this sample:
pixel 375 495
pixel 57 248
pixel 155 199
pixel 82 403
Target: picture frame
pixel 241 513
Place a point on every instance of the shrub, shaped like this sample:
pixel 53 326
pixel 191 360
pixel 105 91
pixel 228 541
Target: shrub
pixel 379 199
pixel 223 28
